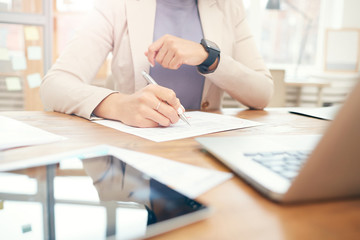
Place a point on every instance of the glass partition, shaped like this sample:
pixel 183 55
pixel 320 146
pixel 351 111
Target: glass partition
pixel 33 33
pixel 25 52
pixel 21 66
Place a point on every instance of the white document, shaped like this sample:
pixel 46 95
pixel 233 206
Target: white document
pixel 14 133
pixel 201 123
pixel 327 113
pixel 187 179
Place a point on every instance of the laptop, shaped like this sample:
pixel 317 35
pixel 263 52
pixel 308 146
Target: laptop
pixel 298 168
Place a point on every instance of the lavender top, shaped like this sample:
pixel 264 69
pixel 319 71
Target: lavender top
pixel 179 18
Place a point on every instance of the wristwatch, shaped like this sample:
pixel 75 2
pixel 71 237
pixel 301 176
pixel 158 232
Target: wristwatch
pixel 214 53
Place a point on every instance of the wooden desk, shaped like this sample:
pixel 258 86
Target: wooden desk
pixel 319 84
pixel 240 212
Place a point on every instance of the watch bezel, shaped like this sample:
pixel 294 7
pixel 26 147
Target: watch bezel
pixel 210 45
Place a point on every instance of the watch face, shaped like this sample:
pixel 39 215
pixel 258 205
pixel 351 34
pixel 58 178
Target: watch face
pixel 211 44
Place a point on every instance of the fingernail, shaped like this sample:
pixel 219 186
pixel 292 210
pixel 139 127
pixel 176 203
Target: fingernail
pixel 180 110
pixel 152 65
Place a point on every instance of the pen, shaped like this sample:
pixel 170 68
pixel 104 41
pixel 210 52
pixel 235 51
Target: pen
pixel 150 80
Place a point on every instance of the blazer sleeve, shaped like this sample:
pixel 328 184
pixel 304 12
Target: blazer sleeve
pixel 66 87
pixel 243 73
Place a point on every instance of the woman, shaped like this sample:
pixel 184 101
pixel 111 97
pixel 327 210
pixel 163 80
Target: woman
pixel 170 35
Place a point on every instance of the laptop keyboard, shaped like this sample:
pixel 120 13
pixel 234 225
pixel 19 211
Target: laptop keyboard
pixel 286 164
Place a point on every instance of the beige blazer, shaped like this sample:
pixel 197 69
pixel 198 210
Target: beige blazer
pixel 125 29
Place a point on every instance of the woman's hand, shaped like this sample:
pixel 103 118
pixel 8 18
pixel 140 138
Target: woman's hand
pixel 149 107
pixel 172 52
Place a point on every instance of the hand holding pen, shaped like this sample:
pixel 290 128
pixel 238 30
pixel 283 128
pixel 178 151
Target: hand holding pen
pixel 180 111
pixel 150 106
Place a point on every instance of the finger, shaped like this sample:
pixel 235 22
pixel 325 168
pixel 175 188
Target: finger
pixel 151 101
pixel 148 117
pixel 153 50
pixel 175 63
pixel 170 106
pixel 159 119
pixel 167 59
pixel 145 123
pixel 152 63
pixel 168 112
pixel 165 94
pixel 170 115
pixel 163 51
pixel 153 114
pixel 140 118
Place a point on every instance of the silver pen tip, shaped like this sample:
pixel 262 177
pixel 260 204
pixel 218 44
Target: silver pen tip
pixel 183 117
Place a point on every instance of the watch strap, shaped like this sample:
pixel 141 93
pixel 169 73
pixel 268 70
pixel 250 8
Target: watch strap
pixel 213 55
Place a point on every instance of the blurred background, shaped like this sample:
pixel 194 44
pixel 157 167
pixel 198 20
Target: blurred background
pixel 312 48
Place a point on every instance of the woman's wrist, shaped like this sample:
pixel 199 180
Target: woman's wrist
pixel 214 65
pixel 106 108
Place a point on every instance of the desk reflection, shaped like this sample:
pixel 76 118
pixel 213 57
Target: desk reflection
pixel 103 198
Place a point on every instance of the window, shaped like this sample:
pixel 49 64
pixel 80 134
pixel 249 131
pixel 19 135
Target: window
pixel 287 37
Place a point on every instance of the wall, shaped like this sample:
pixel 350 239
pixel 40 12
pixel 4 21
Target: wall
pixel 351 16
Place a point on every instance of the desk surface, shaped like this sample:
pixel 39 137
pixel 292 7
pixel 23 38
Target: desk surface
pixel 240 212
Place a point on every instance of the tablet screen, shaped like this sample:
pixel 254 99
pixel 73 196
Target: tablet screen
pixel 93 198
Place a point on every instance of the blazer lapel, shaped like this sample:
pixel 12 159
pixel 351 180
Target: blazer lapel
pixel 141 19
pixel 211 21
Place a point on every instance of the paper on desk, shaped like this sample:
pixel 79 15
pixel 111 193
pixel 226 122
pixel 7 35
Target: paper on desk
pixel 201 123
pixel 14 133
pixel 327 113
pixel 187 179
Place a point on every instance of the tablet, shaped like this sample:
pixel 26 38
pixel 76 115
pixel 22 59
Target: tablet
pixel 99 197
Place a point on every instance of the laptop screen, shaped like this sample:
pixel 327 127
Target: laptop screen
pixel 94 198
